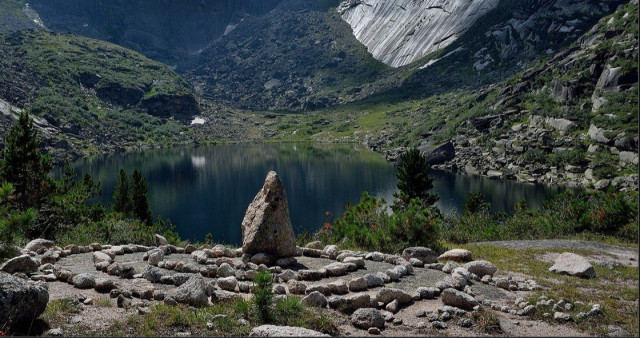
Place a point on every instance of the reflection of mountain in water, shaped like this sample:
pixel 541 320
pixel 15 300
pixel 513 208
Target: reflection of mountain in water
pixel 208 189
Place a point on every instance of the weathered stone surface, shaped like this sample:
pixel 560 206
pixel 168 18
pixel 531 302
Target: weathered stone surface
pixel 428 292
pixel 358 261
pixel 426 255
pixel 310 275
pixel 357 284
pixel 84 281
pixel 104 285
pixel 338 287
pixel 266 226
pixel 153 274
pixel 387 295
pixel 284 331
pixel 315 299
pixel 227 283
pixel 296 288
pixel 373 280
pixel 155 256
pixel 365 318
pixel 323 289
pixel 409 34
pixel 24 264
pixel 315 245
pixel 160 240
pixel 99 256
pixel 457 298
pixel 574 265
pixel 456 255
pixel 481 268
pixel 225 270
pixel 193 292
pixel 336 269
pixel 38 244
pixel 21 300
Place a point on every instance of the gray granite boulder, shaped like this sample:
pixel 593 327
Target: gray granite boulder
pixel 21 300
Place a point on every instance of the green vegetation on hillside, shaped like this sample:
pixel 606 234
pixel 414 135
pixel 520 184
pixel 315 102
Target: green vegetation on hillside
pixel 98 94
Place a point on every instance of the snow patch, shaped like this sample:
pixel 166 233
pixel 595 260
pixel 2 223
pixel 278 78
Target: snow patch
pixel 198 120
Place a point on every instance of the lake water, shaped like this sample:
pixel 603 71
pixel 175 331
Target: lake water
pixel 207 189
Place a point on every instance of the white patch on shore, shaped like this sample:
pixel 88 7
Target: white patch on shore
pixel 198 120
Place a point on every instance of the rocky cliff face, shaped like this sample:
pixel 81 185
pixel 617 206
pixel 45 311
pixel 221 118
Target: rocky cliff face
pixel 163 30
pixel 399 32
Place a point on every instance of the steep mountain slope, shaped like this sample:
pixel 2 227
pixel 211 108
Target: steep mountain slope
pixel 16 15
pixel 299 56
pixel 165 30
pixel 96 93
pixel 399 32
pixel 570 118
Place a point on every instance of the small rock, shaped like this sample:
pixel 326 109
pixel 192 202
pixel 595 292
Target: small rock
pixel 456 255
pixel 438 325
pixel 481 268
pixel 55 332
pixel 357 284
pixel 562 317
pixel 367 317
pixel 315 299
pixel 374 330
pixel 573 265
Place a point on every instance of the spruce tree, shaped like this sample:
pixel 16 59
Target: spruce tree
pixel 413 179
pixel 121 197
pixel 24 166
pixel 139 199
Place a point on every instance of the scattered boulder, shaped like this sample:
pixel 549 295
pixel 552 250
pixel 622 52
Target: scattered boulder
pixel 358 261
pixel 457 298
pixel 37 244
pixel 21 300
pixel 387 295
pixel 357 284
pixel 84 281
pixel 284 331
pixel 428 292
pixel 315 245
pixel 193 292
pixel 104 285
pixel 155 256
pixel 373 280
pixel 99 256
pixel 456 255
pixel 365 318
pixel 338 287
pixel 315 299
pixel 439 154
pixel 426 255
pixel 574 265
pixel 336 269
pixel 227 283
pixel 481 268
pixel 23 263
pixel 153 274
pixel 160 240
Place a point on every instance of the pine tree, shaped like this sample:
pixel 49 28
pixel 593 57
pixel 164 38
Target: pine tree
pixel 121 197
pixel 413 179
pixel 24 166
pixel 139 199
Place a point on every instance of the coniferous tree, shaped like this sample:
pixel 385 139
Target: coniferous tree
pixel 121 196
pixel 139 199
pixel 24 166
pixel 413 179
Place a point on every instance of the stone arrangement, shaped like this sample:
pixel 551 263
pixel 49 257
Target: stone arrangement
pixel 369 286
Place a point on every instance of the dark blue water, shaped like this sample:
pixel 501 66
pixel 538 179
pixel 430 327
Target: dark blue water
pixel 208 189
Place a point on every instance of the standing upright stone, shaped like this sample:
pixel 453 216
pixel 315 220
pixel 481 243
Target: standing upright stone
pixel 266 226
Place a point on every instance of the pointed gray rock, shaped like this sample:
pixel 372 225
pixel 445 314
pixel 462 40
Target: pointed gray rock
pixel 267 226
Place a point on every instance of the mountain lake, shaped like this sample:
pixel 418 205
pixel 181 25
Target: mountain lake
pixel 207 189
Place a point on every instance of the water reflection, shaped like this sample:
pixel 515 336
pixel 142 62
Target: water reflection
pixel 208 189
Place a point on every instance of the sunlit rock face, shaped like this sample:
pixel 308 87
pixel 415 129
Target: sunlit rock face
pixel 398 32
